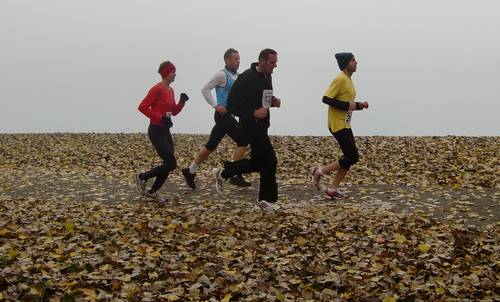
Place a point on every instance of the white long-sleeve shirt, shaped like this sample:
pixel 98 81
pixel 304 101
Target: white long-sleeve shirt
pixel 218 79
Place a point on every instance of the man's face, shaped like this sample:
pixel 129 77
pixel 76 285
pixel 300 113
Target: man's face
pixel 269 64
pixel 352 65
pixel 233 62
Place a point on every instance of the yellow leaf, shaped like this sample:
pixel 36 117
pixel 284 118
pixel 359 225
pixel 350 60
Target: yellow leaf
pixel 301 241
pixel 280 297
pixel 69 226
pixel 439 291
pixel 55 255
pixel 170 297
pixel 236 287
pixel 34 291
pixel 13 252
pixel 89 292
pixel 71 284
pixel 400 239
pixel 424 248
pixel 226 298
pixel 389 299
pixel 127 278
pixel 105 267
pixel 347 295
pixel 191 259
pixel 22 236
pixel 4 232
pixel 339 235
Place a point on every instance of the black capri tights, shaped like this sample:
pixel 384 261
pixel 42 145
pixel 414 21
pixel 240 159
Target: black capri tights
pixel 345 138
pixel 226 124
pixel 162 141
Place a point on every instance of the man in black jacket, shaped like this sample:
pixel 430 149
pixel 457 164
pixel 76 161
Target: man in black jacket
pixel 250 99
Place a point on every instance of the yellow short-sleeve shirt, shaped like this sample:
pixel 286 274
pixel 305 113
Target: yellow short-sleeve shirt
pixel 342 89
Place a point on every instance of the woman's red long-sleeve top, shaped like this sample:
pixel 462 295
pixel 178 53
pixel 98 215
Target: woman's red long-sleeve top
pixel 159 101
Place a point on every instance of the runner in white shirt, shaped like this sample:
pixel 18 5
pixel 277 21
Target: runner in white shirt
pixel 225 123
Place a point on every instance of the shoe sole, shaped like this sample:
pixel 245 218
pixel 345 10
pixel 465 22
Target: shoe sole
pixel 335 198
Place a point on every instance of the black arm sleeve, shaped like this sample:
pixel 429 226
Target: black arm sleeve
pixel 344 106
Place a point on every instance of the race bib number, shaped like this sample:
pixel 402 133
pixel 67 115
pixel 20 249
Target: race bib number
pixel 267 98
pixel 348 116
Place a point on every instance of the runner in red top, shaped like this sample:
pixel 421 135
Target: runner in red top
pixel 159 105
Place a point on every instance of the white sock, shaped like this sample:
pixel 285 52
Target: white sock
pixel 192 168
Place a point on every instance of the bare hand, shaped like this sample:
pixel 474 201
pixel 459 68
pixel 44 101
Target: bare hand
pixel 261 113
pixel 364 105
pixel 221 109
pixel 276 103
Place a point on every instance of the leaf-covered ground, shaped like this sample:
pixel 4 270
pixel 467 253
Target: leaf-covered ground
pixel 422 223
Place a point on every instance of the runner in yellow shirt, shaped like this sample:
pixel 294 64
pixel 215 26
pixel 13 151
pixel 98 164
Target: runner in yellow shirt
pixel 340 97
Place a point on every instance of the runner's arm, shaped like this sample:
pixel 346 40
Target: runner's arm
pixel 340 105
pixel 145 105
pixel 219 79
pixel 237 102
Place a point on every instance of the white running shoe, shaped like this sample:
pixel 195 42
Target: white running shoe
pixel 140 184
pixel 315 178
pixel 156 196
pixel 218 180
pixel 267 206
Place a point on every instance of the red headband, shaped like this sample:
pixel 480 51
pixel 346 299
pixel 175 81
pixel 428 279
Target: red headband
pixel 167 69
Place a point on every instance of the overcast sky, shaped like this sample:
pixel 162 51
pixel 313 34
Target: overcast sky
pixel 426 67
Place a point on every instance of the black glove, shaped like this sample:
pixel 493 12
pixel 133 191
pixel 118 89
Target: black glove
pixel 184 97
pixel 167 121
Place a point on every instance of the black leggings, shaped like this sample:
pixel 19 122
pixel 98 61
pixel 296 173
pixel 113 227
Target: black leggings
pixel 262 159
pixel 161 139
pixel 345 138
pixel 226 124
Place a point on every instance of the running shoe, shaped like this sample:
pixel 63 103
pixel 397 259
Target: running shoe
pixel 218 180
pixel 156 196
pixel 189 177
pixel 334 194
pixel 267 206
pixel 239 181
pixel 140 184
pixel 315 178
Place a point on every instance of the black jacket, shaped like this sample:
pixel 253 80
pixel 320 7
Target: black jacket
pixel 247 95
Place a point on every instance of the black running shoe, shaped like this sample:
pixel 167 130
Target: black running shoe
pixel 189 178
pixel 238 180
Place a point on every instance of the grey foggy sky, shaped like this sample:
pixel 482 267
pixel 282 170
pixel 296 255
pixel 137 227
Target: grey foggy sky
pixel 426 67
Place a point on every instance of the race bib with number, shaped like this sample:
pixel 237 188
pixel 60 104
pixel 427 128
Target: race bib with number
pixel 267 98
